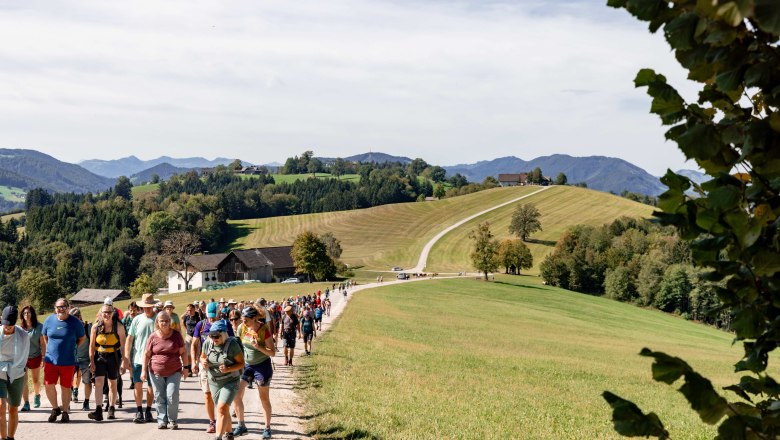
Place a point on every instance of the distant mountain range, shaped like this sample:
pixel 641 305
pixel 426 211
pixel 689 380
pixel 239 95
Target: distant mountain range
pixel 598 172
pixel 164 171
pixel 128 166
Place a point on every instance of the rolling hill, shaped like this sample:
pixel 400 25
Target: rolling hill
pixel 598 172
pixel 164 171
pixel 394 235
pixel 127 166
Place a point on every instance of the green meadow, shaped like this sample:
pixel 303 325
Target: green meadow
pixel 461 358
pixel 12 194
pixel 140 190
pixel 290 178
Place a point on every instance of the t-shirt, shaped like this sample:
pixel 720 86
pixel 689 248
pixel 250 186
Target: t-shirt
pixel 290 324
pixel 35 340
pixel 166 359
pixel 61 346
pixel 175 321
pixel 140 329
pixel 202 330
pixel 82 351
pixel 190 322
pixel 253 356
pixel 307 325
pixel 217 355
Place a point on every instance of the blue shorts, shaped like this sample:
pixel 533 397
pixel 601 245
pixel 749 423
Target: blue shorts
pixel 261 373
pixel 137 375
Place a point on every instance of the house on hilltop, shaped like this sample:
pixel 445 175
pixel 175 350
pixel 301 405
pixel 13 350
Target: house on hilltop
pixel 513 179
pixel 259 264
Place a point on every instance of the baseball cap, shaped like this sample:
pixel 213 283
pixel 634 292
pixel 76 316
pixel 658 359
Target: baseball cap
pixel 211 310
pixel 10 315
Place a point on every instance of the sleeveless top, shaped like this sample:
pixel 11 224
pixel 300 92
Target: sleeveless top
pixel 106 342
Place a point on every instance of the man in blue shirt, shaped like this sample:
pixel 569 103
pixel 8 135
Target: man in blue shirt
pixel 62 333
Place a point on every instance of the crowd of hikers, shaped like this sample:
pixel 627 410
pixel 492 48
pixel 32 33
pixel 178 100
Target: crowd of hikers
pixel 227 345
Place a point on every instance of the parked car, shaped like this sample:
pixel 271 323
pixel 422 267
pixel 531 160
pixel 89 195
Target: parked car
pixel 397 269
pixel 291 281
pixel 403 276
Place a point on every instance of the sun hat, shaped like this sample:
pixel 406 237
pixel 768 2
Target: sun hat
pixel 108 301
pixel 288 308
pixel 169 303
pixel 232 301
pixel 222 300
pixel 147 300
pixel 211 310
pixel 249 312
pixel 10 315
pixel 217 327
pixel 196 303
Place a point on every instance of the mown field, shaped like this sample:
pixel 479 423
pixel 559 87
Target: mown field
pixel 378 237
pixel 290 178
pixel 12 194
pixel 394 235
pixel 139 190
pixel 560 208
pixel 461 358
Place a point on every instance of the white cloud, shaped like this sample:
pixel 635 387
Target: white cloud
pixel 449 82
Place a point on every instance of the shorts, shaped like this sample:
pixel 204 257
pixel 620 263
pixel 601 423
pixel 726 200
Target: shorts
pixel 106 364
pixel 203 377
pixel 289 341
pixel 62 373
pixel 35 362
pixel 308 337
pixel 225 393
pixel 12 392
pixel 137 375
pixel 316 319
pixel 86 373
pixel 187 347
pixel 261 373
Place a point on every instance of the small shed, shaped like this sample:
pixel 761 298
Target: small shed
pixel 97 296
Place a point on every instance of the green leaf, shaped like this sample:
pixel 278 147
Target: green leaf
pixel 629 420
pixel 730 13
pixel 766 262
pixel 645 10
pixel 736 389
pixel 616 3
pixel 724 198
pixel 679 32
pixel 703 398
pixel 767 14
pixel 774 121
pixel 730 81
pixel 733 428
pixel 747 323
pixel 700 142
pixel 647 76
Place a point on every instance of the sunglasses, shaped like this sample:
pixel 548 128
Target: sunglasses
pixel 217 336
pixel 235 319
pixel 60 307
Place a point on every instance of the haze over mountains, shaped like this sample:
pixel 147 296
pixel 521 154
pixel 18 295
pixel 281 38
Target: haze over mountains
pixel 28 169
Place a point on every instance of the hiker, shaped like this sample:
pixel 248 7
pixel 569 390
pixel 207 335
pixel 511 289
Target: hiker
pixel 14 352
pixel 223 359
pixel 188 321
pixel 257 339
pixel 199 336
pixel 140 330
pixel 175 321
pixel 290 327
pixel 33 328
pixel 83 372
pixel 63 333
pixel 318 317
pixel 164 364
pixel 106 360
pixel 308 330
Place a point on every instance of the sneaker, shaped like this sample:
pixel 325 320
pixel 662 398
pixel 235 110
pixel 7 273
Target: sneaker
pixel 148 415
pixel 162 425
pixel 227 436
pixel 85 406
pixel 37 401
pixel 212 427
pixel 240 430
pixel 267 433
pixel 111 413
pixel 55 412
pixel 174 426
pixel 96 415
pixel 139 417
pixel 65 418
pixel 25 407
pixel 75 393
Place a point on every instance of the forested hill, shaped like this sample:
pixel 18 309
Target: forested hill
pixel 28 169
pixel 598 172
pixel 127 166
pixel 164 171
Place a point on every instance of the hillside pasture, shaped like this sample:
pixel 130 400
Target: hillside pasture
pixel 459 358
pixel 376 238
pixel 140 190
pixel 12 194
pixel 560 208
pixel 290 178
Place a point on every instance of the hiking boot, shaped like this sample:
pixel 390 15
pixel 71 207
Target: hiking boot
pixel 85 406
pixel 162 425
pixel 139 417
pixel 227 436
pixel 174 426
pixel 111 413
pixel 212 427
pixel 96 415
pixel 37 401
pixel 25 407
pixel 148 416
pixel 55 412
pixel 105 407
pixel 75 393
pixel 240 430
pixel 65 418
pixel 267 433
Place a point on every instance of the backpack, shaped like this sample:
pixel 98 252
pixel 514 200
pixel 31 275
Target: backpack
pixel 306 325
pixel 318 313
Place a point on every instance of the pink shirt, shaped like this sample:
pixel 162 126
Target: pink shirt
pixel 166 359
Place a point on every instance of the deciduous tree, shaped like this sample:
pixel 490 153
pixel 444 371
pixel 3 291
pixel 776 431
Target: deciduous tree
pixel 310 256
pixel 484 255
pixel 525 221
pixel 179 247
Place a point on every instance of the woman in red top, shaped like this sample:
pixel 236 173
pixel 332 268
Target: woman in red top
pixel 164 362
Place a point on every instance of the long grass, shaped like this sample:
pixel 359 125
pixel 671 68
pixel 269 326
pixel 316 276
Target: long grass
pixel 560 208
pixel 512 359
pixel 379 237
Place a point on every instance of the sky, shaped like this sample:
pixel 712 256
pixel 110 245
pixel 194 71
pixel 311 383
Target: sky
pixel 449 81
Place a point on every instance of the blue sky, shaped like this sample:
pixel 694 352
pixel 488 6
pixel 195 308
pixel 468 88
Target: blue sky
pixel 451 82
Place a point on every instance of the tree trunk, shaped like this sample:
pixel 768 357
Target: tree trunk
pixel 486 277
